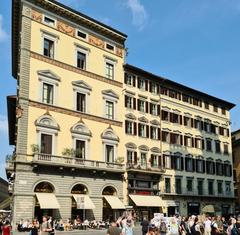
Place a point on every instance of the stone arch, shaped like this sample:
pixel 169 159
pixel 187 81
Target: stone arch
pixel 106 186
pixel 47 121
pixel 81 129
pixel 79 188
pixel 44 186
pixel 109 134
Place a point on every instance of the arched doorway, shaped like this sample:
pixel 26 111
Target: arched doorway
pixel 78 207
pixel 108 212
pixel 44 190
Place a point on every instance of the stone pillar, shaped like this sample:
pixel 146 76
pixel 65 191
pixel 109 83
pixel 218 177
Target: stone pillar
pixel 65 210
pixel 98 211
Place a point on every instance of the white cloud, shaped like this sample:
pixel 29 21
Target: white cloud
pixel 139 14
pixel 3 123
pixel 3 34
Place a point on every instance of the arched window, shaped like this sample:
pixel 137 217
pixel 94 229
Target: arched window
pixel 44 187
pixel 79 189
pixel 109 190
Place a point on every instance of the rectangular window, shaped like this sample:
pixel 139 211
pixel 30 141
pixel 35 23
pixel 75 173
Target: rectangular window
pixel 129 102
pixel 130 157
pixel 219 187
pixel 223 111
pixel 209 145
pixel 189 185
pixel 154 88
pixel 81 60
pixel 167 185
pixel 206 105
pixel 187 121
pixel 175 118
pixel 143 159
pixel 109 153
pixel 129 79
pixel 109 47
pixel 49 21
pixel 81 34
pixel 225 149
pixel 109 110
pixel 228 188
pixel 154 160
pixel 185 98
pixel 142 130
pixel 189 164
pixel 80 149
pixel 198 143
pixel 48 48
pixel 154 133
pixel 200 166
pixel 175 138
pixel 153 109
pixel 142 84
pixel 215 109
pixel 109 71
pixel 200 187
pixel 81 102
pixel 178 186
pixel 217 147
pixel 47 96
pixel 141 105
pixel 129 128
pixel 167 161
pixel 210 188
pixel 46 144
pixel 188 141
pixel 165 136
pixel 165 115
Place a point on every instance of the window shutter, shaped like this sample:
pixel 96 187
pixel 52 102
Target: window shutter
pixel 182 164
pixel 192 122
pixel 207 167
pixel 158 110
pixel 135 128
pixel 151 160
pixel 202 125
pixel 185 140
pixel 125 101
pixel 228 132
pixel 151 134
pixel 146 85
pixel 134 103
pixel 186 159
pixel 159 161
pixel 172 162
pixel 138 82
pixel 146 107
pixel 138 104
pixel 139 129
pixel 193 142
pixel 205 126
pixel 159 134
pixel 158 89
pixel 214 168
pixel 217 168
pixel 135 157
pixel 147 131
pixel 164 161
pixel 203 146
pixel 181 139
pixel 151 105
pixel 230 166
pixel 197 160
pixel 150 86
pixel 193 164
pixel 180 119
pixel 171 117
pixel 125 78
pixel 134 81
pixel 195 123
pixel 224 170
pixel 126 122
pixel 171 138
pixel 203 166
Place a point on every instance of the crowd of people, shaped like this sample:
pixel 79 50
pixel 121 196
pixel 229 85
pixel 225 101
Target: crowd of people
pixel 193 225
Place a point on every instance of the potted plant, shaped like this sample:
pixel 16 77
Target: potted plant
pixel 119 160
pixel 35 148
pixel 68 152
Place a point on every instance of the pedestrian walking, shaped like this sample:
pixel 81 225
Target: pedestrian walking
pixel 144 225
pixel 35 227
pixel 46 227
pixel 6 228
pixel 128 228
pixel 114 230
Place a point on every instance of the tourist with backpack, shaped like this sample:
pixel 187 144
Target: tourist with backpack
pixel 232 228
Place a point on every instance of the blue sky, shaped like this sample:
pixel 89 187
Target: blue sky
pixel 196 43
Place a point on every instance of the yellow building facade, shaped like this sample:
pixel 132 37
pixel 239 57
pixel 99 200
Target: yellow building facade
pixel 95 136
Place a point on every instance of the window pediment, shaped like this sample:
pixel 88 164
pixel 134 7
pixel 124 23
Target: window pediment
pixel 131 145
pixel 109 134
pixel 81 129
pixel 143 147
pixel 110 93
pixel 82 84
pixel 155 122
pixel 143 119
pixel 130 116
pixel 48 74
pixel 46 121
pixel 155 150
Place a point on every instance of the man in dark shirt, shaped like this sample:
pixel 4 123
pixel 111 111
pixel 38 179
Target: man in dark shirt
pixel 144 225
pixel 114 230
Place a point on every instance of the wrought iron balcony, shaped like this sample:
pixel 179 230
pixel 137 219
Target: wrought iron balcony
pixel 145 168
pixel 73 162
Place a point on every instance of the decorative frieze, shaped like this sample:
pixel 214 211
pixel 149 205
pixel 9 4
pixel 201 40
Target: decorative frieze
pixel 64 28
pixel 37 15
pixel 96 41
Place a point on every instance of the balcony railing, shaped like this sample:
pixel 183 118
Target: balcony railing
pixel 144 167
pixel 63 161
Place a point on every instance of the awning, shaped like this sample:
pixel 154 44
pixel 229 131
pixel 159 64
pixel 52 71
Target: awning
pixel 208 208
pixel 114 202
pixel 47 201
pixel 171 203
pixel 5 204
pixel 148 201
pixel 83 201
